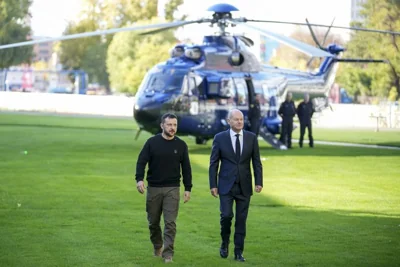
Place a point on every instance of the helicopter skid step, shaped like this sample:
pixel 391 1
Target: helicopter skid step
pixel 271 139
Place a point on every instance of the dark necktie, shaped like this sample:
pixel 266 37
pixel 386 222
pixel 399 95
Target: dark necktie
pixel 237 150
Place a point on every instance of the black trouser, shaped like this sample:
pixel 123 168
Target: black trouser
pixel 226 207
pixel 286 134
pixel 303 126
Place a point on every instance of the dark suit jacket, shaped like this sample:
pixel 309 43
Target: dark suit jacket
pixel 222 151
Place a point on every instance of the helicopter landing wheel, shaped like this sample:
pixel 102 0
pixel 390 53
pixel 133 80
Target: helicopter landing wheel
pixel 201 140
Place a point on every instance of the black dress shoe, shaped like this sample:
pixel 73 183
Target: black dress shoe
pixel 239 257
pixel 223 252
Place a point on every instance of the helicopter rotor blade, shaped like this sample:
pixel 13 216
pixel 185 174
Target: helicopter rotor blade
pixel 316 40
pixel 326 26
pixel 172 27
pixel 303 47
pixel 96 33
pixel 327 32
pixel 314 36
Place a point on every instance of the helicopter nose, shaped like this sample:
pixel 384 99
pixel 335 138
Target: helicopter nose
pixel 145 115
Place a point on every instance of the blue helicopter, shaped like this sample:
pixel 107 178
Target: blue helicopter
pixel 201 83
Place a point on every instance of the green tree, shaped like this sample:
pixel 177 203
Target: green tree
pixel 374 79
pixel 118 13
pixel 130 56
pixel 90 54
pixel 12 30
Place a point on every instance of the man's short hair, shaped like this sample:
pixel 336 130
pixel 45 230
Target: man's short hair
pixel 229 116
pixel 169 116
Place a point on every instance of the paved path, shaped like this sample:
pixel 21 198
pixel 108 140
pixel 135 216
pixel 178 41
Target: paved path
pixel 352 145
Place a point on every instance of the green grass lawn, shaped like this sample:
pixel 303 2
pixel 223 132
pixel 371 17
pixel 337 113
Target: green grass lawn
pixel 386 137
pixel 71 200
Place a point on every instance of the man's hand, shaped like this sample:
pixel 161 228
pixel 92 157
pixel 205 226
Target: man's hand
pixel 186 197
pixel 214 192
pixel 140 187
pixel 258 188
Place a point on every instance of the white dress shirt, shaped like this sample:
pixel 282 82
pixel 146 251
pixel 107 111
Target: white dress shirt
pixel 233 139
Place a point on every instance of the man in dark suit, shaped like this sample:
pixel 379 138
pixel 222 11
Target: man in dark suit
pixel 234 148
pixel 305 111
pixel 287 111
pixel 254 114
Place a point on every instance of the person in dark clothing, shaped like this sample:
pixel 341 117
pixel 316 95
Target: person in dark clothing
pixel 165 155
pixel 255 115
pixel 305 111
pixel 230 178
pixel 287 111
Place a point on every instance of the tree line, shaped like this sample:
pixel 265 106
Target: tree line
pixel 120 61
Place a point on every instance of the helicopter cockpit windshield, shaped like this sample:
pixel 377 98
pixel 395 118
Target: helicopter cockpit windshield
pixel 167 80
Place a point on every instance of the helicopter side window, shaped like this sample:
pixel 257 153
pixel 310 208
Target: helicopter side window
pixel 258 89
pixel 213 88
pixel 259 92
pixel 189 87
pixel 192 86
pixel 241 94
pixel 221 88
pixel 265 91
pixel 226 88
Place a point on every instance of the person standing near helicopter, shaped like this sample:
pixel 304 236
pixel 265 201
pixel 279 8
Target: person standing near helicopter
pixel 254 115
pixel 287 111
pixel 305 111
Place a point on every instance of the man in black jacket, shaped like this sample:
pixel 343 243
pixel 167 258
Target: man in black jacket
pixel 305 111
pixel 165 155
pixel 287 111
pixel 255 115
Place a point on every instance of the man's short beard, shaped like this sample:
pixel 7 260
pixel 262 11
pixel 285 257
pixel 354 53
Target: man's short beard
pixel 168 134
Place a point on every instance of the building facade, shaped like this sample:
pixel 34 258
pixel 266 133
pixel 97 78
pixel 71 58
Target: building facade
pixel 42 51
